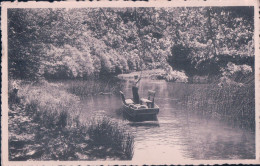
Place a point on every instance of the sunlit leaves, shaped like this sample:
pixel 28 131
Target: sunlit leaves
pixel 101 41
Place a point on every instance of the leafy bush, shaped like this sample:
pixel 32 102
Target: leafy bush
pixel 47 126
pixel 53 106
pixel 105 132
pixel 232 69
pixel 176 76
pixel 235 74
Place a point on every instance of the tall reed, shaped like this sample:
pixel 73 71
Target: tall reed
pixel 84 88
pixel 105 132
pixel 232 103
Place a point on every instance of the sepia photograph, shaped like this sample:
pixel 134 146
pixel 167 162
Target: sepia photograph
pixel 129 83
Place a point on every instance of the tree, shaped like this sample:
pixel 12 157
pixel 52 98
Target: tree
pixel 109 41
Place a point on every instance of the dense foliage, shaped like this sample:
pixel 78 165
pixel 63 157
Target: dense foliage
pixel 73 43
pixel 45 123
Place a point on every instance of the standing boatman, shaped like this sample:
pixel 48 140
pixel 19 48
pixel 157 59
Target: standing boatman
pixel 135 89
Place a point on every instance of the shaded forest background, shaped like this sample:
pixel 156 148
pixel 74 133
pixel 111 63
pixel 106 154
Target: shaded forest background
pixel 93 42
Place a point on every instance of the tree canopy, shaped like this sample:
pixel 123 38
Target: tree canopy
pixel 88 42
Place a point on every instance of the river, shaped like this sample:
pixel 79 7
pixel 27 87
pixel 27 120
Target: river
pixel 177 133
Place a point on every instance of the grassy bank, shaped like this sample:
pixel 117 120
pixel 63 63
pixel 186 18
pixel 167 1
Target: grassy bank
pixel 232 103
pixel 44 124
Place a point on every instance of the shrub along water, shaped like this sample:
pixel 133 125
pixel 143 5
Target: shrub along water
pixel 109 135
pixel 234 103
pixel 44 124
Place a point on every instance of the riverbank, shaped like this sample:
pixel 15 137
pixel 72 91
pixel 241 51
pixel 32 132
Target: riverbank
pixel 152 74
pixel 45 124
pixel 158 74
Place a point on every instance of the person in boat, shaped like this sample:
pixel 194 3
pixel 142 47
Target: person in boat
pixel 135 89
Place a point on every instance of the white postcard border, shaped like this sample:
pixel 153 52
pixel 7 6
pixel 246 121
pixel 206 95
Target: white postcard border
pixel 176 3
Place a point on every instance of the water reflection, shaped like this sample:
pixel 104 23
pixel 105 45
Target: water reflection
pixel 144 124
pixel 176 133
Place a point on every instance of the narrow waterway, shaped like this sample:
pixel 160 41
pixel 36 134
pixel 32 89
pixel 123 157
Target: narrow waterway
pixel 177 133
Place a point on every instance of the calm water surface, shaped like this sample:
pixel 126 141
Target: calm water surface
pixel 178 133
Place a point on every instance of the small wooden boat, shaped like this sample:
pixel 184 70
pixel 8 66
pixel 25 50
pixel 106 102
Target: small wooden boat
pixel 147 108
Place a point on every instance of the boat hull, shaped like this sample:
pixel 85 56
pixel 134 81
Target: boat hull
pixel 143 112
